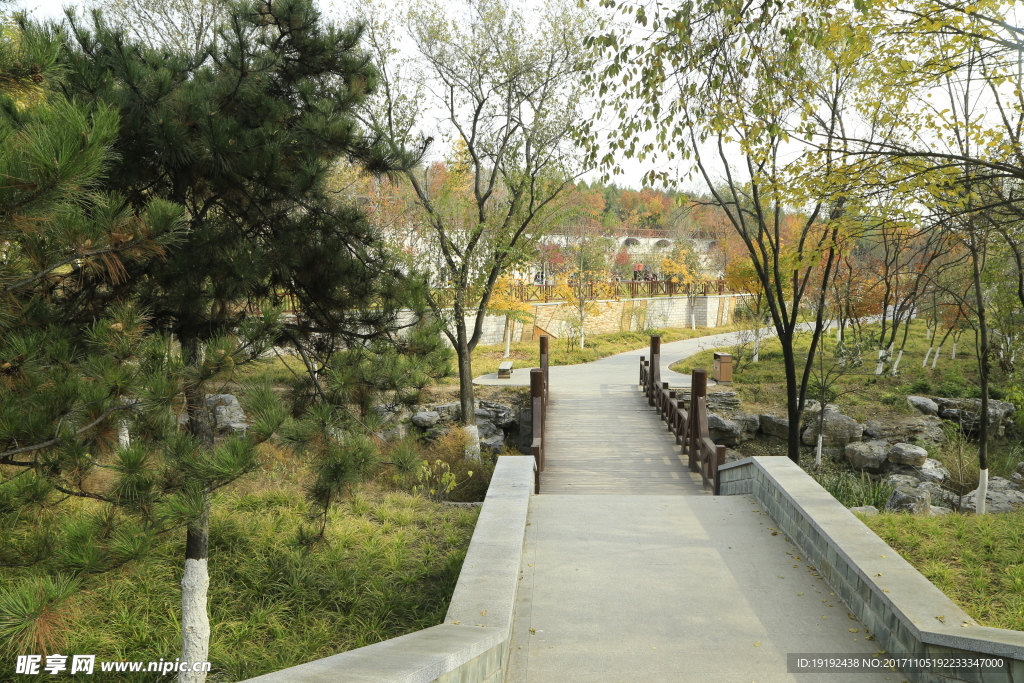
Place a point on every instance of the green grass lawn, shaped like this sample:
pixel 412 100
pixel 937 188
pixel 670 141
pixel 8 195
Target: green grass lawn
pixel 977 560
pixel 527 354
pixel 388 567
pixel 859 391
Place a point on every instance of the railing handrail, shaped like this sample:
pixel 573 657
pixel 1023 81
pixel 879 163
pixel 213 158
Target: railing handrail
pixel 539 409
pixel 690 426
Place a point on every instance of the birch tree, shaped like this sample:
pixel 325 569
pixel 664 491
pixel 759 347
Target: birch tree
pixel 499 92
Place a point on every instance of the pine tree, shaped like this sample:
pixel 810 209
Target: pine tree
pixel 226 152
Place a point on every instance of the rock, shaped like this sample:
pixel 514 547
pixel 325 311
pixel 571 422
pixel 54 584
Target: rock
pixel 939 495
pixel 1018 474
pixel 733 456
pixel 866 455
pixel 1002 496
pixel 723 400
pixel 906 499
pixel 723 431
pixel 964 412
pixel 501 415
pixel 447 411
pixel 873 430
pixel 525 436
pixel 426 418
pixel 907 454
pixel 837 429
pixel 932 470
pixel 812 406
pixel 774 426
pixel 748 424
pixel 228 415
pixel 898 480
pixel 939 511
pixel 923 405
pixel 926 427
pixel 866 510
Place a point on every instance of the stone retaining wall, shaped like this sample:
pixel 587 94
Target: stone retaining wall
pixel 472 644
pixel 904 611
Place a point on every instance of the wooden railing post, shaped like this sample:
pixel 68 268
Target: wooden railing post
pixel 537 406
pixel 719 461
pixel 544 365
pixel 698 390
pixel 654 372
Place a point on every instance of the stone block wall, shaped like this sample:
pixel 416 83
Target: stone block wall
pixel 905 613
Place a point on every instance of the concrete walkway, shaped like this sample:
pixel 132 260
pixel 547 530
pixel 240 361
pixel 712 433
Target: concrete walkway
pixel 646 578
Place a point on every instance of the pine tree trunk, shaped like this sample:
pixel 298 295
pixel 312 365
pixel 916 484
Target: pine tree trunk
pixel 195 585
pixel 195 581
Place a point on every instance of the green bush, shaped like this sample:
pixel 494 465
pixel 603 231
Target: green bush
pixel 921 386
pixel 854 490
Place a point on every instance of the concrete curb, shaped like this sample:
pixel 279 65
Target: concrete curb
pixel 472 645
pixel 904 611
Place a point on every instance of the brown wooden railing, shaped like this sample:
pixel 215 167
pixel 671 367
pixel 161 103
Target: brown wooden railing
pixel 539 408
pixel 689 425
pixel 629 289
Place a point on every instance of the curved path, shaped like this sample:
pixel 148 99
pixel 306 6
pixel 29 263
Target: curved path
pixel 646 578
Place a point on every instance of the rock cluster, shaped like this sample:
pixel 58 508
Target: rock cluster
pixel 964 411
pixel 496 423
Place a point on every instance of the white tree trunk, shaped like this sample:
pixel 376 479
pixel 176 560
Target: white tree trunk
pixel 124 438
pixel 881 362
pixel 509 326
pixel 473 444
pixel 979 499
pixel 757 348
pixel 953 355
pixel 927 353
pixel 693 321
pixel 896 365
pixel 195 585
pixel 817 451
pixel 935 358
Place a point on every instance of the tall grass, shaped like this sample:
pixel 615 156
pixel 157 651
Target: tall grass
pixel 977 560
pixel 853 489
pixel 388 567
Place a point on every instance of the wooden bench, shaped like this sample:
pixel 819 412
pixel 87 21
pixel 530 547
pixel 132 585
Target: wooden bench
pixel 505 370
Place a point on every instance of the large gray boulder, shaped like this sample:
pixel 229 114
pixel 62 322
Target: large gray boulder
pixel 425 419
pixel 501 415
pixel 774 426
pixel 723 400
pixel 723 431
pixel 933 470
pixel 837 430
pixel 912 500
pixel 1002 496
pixel 492 438
pixel 748 424
pixel 907 454
pixel 923 405
pixel 228 416
pixel 866 455
pixel 965 411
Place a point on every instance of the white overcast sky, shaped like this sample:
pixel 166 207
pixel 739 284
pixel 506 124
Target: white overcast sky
pixel 54 9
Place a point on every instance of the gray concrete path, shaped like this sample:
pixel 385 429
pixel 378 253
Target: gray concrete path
pixel 647 578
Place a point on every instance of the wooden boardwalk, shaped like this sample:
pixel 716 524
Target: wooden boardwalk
pixel 611 442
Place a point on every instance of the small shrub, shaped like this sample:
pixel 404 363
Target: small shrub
pixel 891 399
pixel 921 386
pixel 855 491
pixel 952 389
pixel 474 476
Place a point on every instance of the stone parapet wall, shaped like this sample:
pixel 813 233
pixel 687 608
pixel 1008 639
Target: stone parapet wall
pixel 472 646
pixel 904 611
pixel 614 315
